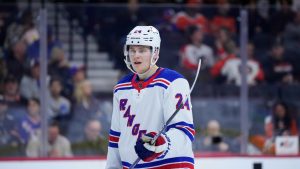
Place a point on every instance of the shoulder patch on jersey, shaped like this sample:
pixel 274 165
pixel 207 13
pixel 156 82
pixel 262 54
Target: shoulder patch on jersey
pixel 169 75
pixel 124 83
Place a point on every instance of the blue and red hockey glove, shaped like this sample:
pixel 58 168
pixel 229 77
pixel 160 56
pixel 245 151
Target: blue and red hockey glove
pixel 148 152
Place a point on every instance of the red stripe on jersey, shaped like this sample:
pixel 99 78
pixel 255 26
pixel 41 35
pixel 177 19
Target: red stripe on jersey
pixel 161 80
pixel 113 138
pixel 123 85
pixel 174 165
pixel 188 128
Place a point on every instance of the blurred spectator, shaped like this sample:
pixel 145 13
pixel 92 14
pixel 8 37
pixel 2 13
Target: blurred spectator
pixel 280 18
pixel 29 86
pixel 190 16
pixel 232 69
pixel 77 76
pixel 280 123
pixel 59 105
pixel 264 10
pixel 196 49
pixel 258 23
pixel 277 68
pixel 23 28
pixel 93 142
pixel 165 23
pixel 33 50
pixel 52 42
pixel 283 121
pixel 9 140
pixel 85 99
pixel 30 125
pixel 213 140
pixel 87 107
pixel 191 52
pixel 264 143
pixel 30 32
pixel 13 32
pixel 16 61
pixel 223 18
pixel 224 43
pixel 58 64
pixel 58 145
pixel 225 49
pixel 11 92
pixel 59 67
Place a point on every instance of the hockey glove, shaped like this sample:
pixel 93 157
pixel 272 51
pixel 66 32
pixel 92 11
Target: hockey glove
pixel 148 152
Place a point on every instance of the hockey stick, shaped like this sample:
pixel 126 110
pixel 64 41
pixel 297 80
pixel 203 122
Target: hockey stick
pixel 173 115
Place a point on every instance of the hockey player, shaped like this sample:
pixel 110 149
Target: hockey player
pixel 143 101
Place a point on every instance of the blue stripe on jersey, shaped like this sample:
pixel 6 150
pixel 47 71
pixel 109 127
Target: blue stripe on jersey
pixel 113 145
pixel 157 84
pixel 183 124
pixel 124 88
pixel 169 74
pixel 161 162
pixel 114 133
pixel 149 86
pixel 186 131
pixel 166 73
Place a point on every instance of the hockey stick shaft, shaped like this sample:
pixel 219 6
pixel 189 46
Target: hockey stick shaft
pixel 173 115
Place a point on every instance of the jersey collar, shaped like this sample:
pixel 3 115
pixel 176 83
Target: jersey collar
pixel 140 84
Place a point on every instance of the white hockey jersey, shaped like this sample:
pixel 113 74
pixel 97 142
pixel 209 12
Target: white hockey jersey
pixel 145 106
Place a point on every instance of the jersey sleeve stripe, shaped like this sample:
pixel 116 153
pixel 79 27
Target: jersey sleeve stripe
pixel 175 165
pixel 113 145
pixel 187 128
pixel 189 134
pixel 192 131
pixel 113 139
pixel 177 162
pixel 114 133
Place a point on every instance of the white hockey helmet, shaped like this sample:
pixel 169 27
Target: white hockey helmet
pixel 146 36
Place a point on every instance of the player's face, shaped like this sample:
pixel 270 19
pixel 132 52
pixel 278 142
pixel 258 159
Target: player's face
pixel 140 57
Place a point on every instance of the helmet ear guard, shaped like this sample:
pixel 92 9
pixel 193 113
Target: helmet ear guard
pixel 155 56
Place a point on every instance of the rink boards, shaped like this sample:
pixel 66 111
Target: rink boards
pixel 261 162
